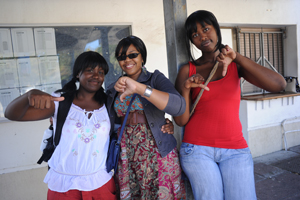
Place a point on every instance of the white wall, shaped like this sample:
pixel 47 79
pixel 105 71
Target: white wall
pixel 262 124
pixel 146 18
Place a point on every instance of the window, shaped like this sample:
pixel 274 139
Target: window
pixel 265 47
pixel 43 57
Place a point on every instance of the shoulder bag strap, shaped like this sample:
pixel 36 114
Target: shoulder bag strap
pixel 63 110
pixel 202 90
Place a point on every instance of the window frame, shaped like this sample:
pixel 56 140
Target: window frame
pixel 265 47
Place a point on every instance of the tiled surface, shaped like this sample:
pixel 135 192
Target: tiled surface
pixel 276 175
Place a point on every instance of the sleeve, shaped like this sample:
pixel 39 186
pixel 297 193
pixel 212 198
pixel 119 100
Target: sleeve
pixel 176 104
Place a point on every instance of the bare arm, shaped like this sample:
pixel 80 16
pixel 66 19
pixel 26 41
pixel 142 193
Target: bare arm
pixel 182 76
pixel 183 84
pixel 254 73
pixel 260 76
pixel 128 86
pixel 31 106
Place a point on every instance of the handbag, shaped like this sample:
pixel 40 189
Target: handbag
pixel 114 146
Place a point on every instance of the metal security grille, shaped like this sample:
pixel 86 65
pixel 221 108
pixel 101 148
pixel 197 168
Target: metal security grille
pixel 265 47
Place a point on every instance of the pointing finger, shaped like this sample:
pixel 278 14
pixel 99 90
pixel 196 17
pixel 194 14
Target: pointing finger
pixel 57 98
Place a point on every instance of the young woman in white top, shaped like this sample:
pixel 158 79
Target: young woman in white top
pixel 78 164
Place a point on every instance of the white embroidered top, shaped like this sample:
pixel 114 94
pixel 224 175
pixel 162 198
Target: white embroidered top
pixel 79 161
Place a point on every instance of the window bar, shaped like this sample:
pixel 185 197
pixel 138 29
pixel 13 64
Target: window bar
pixel 282 53
pixel 272 67
pixel 278 53
pixel 255 47
pixel 262 53
pixel 273 49
pixel 250 45
pixel 261 37
pixel 244 44
pixel 268 46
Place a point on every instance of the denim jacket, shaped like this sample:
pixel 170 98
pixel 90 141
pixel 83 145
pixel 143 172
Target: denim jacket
pixel 155 117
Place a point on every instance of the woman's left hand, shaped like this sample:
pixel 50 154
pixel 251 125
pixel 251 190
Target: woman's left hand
pixel 226 56
pixel 168 127
pixel 126 86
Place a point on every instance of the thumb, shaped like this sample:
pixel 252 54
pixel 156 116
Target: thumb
pixel 122 96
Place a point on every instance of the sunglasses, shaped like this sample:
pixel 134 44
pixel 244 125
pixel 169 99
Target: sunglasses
pixel 131 56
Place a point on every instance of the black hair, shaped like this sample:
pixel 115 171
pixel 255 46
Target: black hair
pixel 201 17
pixel 129 40
pixel 84 60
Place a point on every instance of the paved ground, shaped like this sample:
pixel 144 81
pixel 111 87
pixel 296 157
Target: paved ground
pixel 277 176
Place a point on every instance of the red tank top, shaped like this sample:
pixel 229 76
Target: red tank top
pixel 215 121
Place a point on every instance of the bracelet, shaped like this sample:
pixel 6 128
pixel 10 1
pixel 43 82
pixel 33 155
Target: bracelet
pixel 148 91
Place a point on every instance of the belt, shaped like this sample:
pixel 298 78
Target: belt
pixel 134 118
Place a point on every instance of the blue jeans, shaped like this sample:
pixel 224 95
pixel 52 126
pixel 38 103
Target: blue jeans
pixel 218 174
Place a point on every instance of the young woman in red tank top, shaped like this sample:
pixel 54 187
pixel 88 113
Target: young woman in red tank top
pixel 214 154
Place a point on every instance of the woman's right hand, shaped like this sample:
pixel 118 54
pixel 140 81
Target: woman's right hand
pixel 196 80
pixel 41 100
pixel 33 105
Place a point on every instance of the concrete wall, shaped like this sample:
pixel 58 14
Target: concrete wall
pixel 262 124
pixel 20 141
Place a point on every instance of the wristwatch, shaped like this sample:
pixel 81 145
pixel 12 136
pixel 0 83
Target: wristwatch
pixel 148 91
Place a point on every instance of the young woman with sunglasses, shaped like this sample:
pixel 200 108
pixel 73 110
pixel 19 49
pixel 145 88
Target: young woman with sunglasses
pixel 149 165
pixel 214 154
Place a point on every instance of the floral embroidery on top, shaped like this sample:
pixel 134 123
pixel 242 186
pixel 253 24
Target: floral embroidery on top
pixel 75 153
pixel 97 126
pixel 78 124
pixel 95 153
pixel 87 134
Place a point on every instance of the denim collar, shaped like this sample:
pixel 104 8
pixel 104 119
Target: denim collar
pixel 144 76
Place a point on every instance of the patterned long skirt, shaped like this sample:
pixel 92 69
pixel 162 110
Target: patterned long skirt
pixel 142 172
